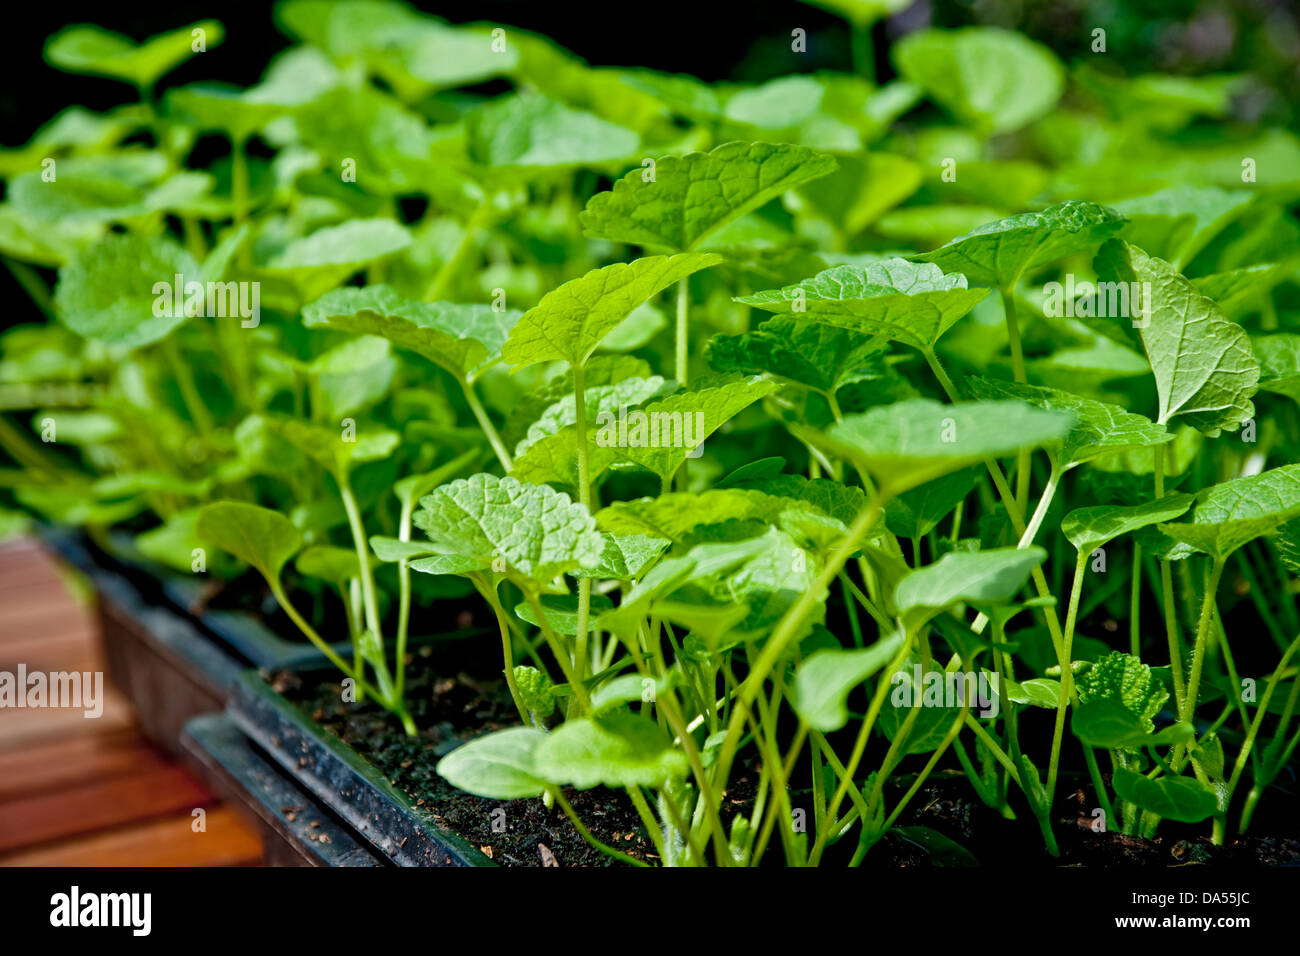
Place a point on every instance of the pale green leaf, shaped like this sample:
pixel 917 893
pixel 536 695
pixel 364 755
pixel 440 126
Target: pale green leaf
pixel 570 321
pixel 691 196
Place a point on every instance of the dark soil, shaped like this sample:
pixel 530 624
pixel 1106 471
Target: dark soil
pixel 450 710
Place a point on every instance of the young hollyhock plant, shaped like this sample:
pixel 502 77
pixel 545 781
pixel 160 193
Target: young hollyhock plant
pixel 787 499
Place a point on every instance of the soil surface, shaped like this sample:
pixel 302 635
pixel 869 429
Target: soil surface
pixel 944 824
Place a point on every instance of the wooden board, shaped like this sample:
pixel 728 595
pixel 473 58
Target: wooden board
pixel 90 792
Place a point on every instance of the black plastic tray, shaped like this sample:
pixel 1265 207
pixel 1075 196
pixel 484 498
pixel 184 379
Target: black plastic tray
pixel 343 781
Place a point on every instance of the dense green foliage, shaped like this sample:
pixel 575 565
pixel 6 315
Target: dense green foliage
pixel 751 412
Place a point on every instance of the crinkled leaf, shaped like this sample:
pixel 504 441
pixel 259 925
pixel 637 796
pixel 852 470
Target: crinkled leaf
pixel 911 442
pixel 1123 679
pixel 626 556
pixel 463 339
pixel 106 292
pixel 691 196
pixel 1232 513
pixel 1095 527
pixel 998 253
pixel 1203 364
pixel 903 301
pixel 813 354
pixel 536 530
pixel 1100 428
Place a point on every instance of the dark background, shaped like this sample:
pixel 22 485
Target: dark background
pixel 711 39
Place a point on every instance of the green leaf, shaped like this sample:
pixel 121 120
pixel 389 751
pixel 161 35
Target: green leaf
pixel 934 716
pixel 917 512
pixel 90 49
pixel 536 692
pixel 600 400
pixel 900 300
pixel 1176 223
pixel 1232 513
pixel 534 529
pixel 659 436
pixel 994 79
pixel 172 543
pixel 1124 680
pixel 685 420
pixel 533 131
pixel 911 442
pixel 811 354
pixel 348 246
pixel 626 557
pixel 628 689
pixel 822 683
pixel 1108 723
pixel 561 612
pixel 983 578
pixel 1091 528
pixel 106 292
pixel 1035 692
pixel 391 550
pixel 1100 428
pixel 258 536
pixel 691 196
pixel 331 448
pixel 499 765
pixel 999 253
pixel 212 106
pixel 1279 363
pixel 1204 368
pixel 618 750
pixel 336 565
pixel 1184 799
pixel 570 321
pixel 465 340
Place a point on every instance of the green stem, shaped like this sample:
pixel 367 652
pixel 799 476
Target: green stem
pixel 485 423
pixel 682 365
pixel 1167 592
pixel 863 49
pixel 1067 675
pixel 33 285
pixel 185 383
pixel 584 498
pixel 788 627
pixel 438 287
pixel 1018 371
pixel 1202 633
pixel 1135 604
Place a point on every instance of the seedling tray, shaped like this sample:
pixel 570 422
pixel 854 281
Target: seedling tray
pixel 296 830
pixel 343 781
